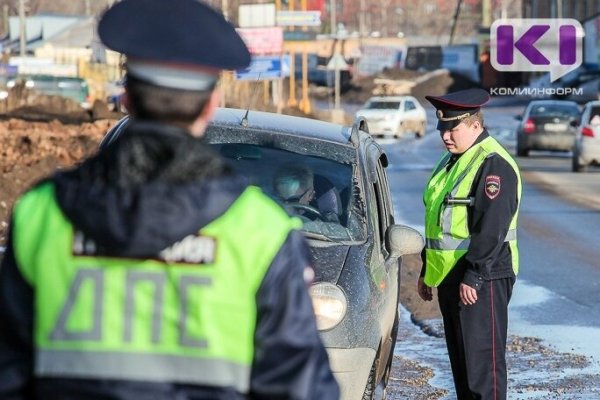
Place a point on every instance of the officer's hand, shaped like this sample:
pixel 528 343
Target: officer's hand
pixel 468 295
pixel 424 290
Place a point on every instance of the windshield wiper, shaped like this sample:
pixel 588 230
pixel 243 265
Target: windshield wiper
pixel 318 236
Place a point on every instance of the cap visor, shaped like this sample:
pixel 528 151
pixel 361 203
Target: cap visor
pixel 443 126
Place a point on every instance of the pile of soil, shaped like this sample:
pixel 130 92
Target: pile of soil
pixel 32 150
pixel 440 83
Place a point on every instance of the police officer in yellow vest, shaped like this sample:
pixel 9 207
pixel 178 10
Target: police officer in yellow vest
pixel 152 271
pixel 471 256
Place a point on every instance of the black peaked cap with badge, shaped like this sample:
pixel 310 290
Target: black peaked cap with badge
pixel 182 44
pixel 452 108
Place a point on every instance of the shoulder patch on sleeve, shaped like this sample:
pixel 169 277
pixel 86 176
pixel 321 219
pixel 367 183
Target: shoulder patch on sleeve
pixel 492 186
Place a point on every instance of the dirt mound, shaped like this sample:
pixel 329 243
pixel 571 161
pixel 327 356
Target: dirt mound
pixel 434 83
pixel 32 150
pixel 24 103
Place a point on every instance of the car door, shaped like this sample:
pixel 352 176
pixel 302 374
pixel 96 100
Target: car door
pixel 411 115
pixel 389 278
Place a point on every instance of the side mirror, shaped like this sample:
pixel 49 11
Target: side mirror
pixel 402 240
pixel 519 117
pixel 574 123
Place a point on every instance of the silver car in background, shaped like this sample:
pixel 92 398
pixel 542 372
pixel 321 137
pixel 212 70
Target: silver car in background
pixel 586 148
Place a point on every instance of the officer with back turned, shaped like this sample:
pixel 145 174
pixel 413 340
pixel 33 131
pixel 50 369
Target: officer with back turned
pixel 471 256
pixel 151 270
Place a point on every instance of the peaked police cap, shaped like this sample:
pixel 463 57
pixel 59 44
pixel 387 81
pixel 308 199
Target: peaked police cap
pixel 168 39
pixel 452 108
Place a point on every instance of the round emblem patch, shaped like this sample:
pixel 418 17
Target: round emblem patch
pixel 439 113
pixel 492 186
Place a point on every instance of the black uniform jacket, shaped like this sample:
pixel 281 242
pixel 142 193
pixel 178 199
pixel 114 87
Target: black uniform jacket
pixel 149 189
pixel 488 256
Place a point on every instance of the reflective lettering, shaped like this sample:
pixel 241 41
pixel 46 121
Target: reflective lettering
pixel 191 249
pixel 185 283
pixel 101 289
pixel 158 280
pixel 60 330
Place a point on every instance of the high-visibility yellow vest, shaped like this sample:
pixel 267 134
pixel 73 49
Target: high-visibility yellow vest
pixel 446 226
pixel 144 319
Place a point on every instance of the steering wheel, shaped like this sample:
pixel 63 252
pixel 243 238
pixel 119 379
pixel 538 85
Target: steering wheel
pixel 305 207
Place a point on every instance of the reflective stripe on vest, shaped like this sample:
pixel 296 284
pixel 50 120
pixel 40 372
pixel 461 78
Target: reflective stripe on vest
pixel 132 319
pixel 449 243
pixel 446 226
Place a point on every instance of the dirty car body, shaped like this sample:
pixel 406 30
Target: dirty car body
pixel 357 256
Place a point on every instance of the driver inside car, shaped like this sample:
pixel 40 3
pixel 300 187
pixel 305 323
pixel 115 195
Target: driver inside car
pixel 303 193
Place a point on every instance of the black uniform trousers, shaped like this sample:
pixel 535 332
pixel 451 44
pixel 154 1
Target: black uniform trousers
pixel 476 339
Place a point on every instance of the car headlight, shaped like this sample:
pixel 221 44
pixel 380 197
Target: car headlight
pixel 330 304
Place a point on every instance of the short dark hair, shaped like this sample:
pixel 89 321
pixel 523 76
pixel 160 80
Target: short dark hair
pixel 161 104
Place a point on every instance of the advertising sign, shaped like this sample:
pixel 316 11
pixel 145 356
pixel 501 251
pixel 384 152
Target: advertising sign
pixel 262 41
pixel 264 68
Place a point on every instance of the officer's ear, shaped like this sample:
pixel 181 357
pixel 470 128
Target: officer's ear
pixel 199 125
pixel 476 125
pixel 213 103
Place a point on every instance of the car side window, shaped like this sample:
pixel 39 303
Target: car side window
pixel 409 105
pixel 384 206
pixel 593 113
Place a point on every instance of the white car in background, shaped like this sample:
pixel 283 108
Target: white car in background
pixel 586 148
pixel 394 115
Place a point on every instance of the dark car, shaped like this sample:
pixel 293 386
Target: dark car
pixel 357 255
pixel 547 125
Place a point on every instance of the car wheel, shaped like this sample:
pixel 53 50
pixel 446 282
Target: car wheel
pixel 373 390
pixel 399 131
pixel 421 132
pixel 521 152
pixel 371 386
pixel 575 165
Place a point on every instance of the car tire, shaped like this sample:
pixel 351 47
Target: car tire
pixel 421 132
pixel 373 390
pixel 371 386
pixel 576 166
pixel 522 152
pixel 399 131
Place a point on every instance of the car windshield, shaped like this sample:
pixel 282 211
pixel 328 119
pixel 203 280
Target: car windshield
pixel 383 105
pixel 329 206
pixel 558 110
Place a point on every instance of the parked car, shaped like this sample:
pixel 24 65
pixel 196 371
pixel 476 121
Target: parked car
pixel 356 259
pixel 547 125
pixel 586 148
pixel 70 87
pixel 394 115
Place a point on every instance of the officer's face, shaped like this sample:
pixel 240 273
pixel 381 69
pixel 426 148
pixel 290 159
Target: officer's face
pixel 458 139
